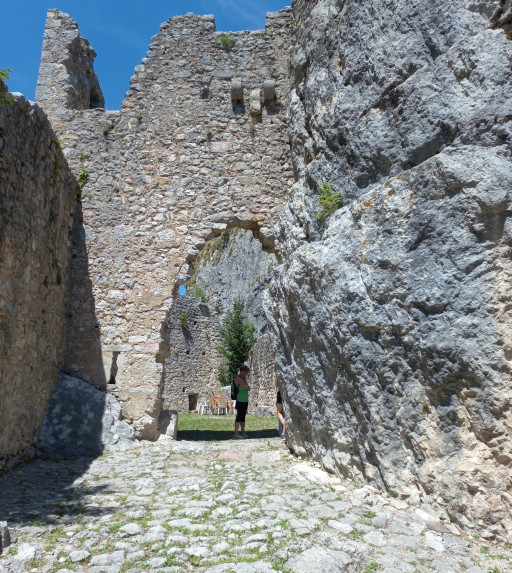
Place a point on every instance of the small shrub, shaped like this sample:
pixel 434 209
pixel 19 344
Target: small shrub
pixel 330 200
pixel 82 180
pixel 252 126
pixel 198 291
pixel 107 128
pixel 209 134
pixel 184 320
pixel 426 408
pixel 225 41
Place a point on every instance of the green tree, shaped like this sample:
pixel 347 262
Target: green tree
pixel 237 338
pixel 4 75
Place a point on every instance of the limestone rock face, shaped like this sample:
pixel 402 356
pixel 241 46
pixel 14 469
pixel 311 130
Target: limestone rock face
pixel 236 266
pixel 81 421
pixel 391 319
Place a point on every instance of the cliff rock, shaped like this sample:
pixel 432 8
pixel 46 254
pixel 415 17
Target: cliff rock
pixel 391 317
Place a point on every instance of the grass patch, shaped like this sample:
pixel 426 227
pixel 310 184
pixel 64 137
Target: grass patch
pixel 215 428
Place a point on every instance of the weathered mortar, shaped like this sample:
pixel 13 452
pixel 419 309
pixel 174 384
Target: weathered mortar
pixel 176 166
pixel 37 205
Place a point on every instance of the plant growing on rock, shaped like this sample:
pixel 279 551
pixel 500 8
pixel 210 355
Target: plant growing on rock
pixel 184 320
pixel 225 41
pixel 82 180
pixel 198 291
pixel 329 200
pixel 237 338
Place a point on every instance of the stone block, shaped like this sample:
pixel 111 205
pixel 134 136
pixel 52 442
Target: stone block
pixel 237 92
pixel 255 102
pixel 264 411
pixel 5 537
pixel 269 90
pixel 81 421
pixel 168 423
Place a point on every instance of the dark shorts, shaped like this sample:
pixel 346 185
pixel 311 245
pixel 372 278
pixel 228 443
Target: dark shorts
pixel 241 411
pixel 279 399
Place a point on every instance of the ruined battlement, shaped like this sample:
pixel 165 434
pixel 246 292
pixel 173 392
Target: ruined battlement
pixel 199 146
pixel 66 74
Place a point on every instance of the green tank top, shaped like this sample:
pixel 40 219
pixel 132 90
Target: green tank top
pixel 242 395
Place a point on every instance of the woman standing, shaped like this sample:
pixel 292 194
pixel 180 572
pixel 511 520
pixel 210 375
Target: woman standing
pixel 242 401
pixel 280 411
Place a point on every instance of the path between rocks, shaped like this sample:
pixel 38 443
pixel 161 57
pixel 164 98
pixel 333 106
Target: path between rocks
pixel 247 506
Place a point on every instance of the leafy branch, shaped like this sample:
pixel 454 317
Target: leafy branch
pixel 5 74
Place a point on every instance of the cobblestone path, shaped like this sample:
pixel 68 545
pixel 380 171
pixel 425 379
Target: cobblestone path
pixel 246 506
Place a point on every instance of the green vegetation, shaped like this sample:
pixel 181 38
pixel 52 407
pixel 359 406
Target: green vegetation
pixel 82 180
pixel 195 427
pixel 225 41
pixel 371 567
pixel 107 128
pixel 184 320
pixel 237 339
pixel 5 74
pixel 198 291
pixel 329 200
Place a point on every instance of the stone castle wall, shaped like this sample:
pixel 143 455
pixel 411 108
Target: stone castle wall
pixel 389 319
pixel 200 145
pixel 189 352
pixel 37 206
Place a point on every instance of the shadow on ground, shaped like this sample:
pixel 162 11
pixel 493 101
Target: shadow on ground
pixel 44 492
pixel 222 435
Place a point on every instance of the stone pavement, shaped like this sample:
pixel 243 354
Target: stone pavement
pixel 246 506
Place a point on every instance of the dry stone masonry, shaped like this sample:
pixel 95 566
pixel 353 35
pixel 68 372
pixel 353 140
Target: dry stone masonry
pixel 37 205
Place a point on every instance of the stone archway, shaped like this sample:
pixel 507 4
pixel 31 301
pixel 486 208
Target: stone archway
pixel 233 264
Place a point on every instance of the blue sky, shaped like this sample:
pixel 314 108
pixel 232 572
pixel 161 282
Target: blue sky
pixel 119 31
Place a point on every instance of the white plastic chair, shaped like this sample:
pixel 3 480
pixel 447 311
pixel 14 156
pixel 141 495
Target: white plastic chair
pixel 203 406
